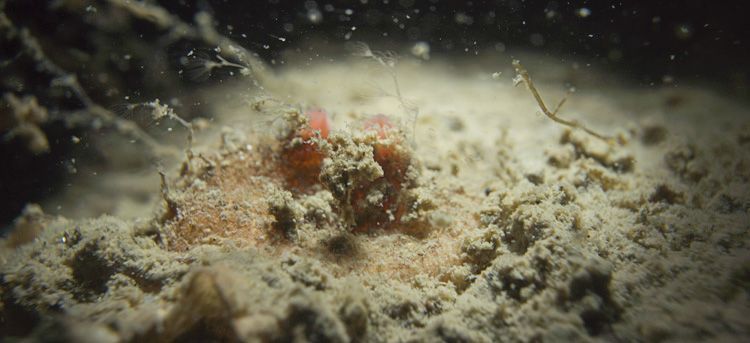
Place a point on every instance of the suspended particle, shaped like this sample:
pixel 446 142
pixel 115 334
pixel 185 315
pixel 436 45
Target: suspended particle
pixel 421 50
pixel 314 16
pixel 683 31
pixel 583 12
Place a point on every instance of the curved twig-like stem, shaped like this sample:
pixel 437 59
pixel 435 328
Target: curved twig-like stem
pixel 523 76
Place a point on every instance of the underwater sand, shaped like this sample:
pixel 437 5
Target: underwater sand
pixel 527 231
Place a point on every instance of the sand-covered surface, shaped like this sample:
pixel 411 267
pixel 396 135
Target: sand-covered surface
pixel 505 225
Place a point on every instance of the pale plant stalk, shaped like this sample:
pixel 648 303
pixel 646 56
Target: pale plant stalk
pixel 522 76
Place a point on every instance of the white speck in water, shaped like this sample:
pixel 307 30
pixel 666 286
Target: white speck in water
pixel 496 75
pixel 683 31
pixel 314 16
pixel 463 18
pixel 583 12
pixel 421 50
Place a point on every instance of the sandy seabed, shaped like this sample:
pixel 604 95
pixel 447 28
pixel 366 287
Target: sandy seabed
pixel 515 228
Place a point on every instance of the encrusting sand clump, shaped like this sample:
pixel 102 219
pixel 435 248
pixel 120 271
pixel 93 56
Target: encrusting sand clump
pixel 487 224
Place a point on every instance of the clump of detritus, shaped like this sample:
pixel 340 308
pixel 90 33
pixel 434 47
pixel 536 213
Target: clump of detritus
pixel 27 226
pixel 24 121
pixel 287 213
pixel 302 150
pixel 370 173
